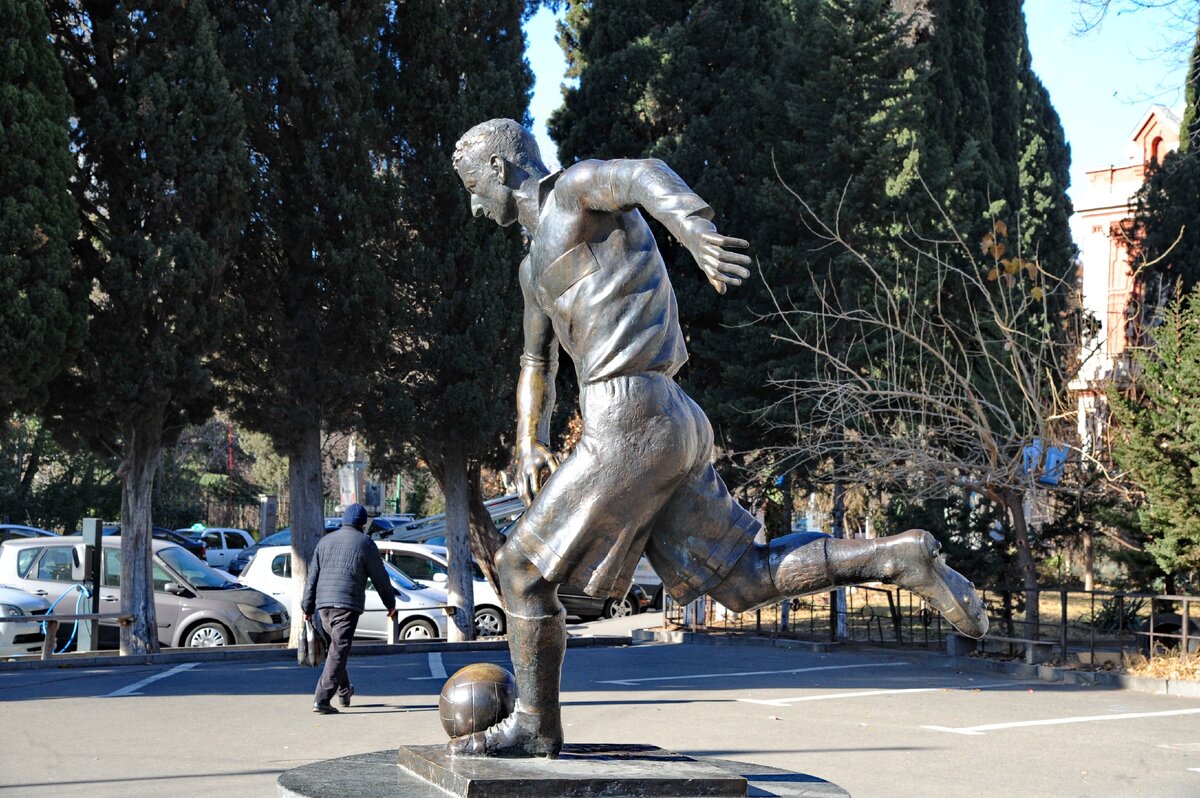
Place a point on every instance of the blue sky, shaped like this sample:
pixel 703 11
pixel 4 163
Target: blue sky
pixel 1101 82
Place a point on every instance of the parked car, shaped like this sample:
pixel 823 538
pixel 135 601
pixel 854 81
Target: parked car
pixel 282 537
pixel 421 609
pixel 221 544
pixel 1167 629
pixel 430 564
pixel 648 580
pixel 502 509
pixel 428 561
pixel 17 639
pixel 188 542
pixel 18 532
pixel 195 606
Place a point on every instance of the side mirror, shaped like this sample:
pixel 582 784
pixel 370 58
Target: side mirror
pixel 441 579
pixel 176 589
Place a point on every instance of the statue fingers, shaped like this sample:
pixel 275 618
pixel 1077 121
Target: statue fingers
pixel 726 242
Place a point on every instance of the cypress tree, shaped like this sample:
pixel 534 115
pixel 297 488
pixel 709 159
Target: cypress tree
pixel 311 287
pixel 160 185
pixel 42 316
pixel 1168 213
pixel 450 377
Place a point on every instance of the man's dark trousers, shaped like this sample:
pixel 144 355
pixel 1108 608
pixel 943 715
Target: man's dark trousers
pixel 339 624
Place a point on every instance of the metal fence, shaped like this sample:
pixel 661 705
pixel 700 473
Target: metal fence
pixel 1082 627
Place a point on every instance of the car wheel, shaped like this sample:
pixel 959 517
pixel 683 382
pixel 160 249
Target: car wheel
pixel 489 622
pixel 418 629
pixel 620 608
pixel 207 635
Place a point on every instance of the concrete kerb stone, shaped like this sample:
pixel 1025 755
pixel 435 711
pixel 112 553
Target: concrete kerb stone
pixel 270 652
pixel 702 639
pixel 1045 673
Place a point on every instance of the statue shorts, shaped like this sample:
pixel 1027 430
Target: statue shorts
pixel 640 479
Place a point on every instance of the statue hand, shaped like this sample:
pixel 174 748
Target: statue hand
pixel 532 457
pixel 711 251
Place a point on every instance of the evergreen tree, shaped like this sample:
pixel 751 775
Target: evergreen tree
pixel 43 314
pixel 448 385
pixel 1159 444
pixel 160 185
pixel 311 286
pixel 1168 213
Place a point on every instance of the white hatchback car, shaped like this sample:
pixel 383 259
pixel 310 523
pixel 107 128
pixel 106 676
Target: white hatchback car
pixel 222 544
pixel 424 561
pixel 421 609
pixel 17 639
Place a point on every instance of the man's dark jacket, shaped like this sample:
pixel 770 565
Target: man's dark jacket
pixel 337 575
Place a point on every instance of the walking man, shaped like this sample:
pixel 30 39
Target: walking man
pixel 640 479
pixel 337 587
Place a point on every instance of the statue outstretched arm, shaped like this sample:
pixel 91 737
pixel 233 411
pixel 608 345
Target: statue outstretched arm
pixel 535 394
pixel 621 185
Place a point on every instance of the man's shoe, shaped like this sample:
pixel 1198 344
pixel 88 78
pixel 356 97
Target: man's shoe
pixel 344 698
pixel 324 708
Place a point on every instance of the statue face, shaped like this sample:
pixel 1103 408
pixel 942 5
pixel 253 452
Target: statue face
pixel 490 194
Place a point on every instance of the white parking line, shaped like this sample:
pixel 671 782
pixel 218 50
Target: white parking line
pixel 783 702
pixel 748 673
pixel 133 688
pixel 1058 721
pixel 1194 770
pixel 437 669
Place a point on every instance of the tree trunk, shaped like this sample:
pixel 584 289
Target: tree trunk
pixel 1089 561
pixel 1015 504
pixel 21 505
pixel 142 443
pixel 306 506
pixel 486 540
pixel 461 586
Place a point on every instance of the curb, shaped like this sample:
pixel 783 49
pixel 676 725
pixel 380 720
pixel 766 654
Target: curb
pixel 268 652
pixel 702 639
pixel 1177 688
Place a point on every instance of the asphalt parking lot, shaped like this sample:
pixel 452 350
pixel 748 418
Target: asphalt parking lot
pixel 875 723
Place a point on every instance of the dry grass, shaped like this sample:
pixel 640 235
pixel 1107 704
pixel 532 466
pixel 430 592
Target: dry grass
pixel 1164 666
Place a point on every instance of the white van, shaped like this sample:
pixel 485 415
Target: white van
pixel 224 544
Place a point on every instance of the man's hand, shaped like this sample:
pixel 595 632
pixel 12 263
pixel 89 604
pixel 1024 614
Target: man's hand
pixel 308 616
pixel 711 251
pixel 391 613
pixel 532 457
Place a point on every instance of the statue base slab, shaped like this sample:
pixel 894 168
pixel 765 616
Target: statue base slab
pixel 580 770
pixel 620 770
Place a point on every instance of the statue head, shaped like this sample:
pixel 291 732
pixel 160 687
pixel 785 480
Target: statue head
pixel 493 159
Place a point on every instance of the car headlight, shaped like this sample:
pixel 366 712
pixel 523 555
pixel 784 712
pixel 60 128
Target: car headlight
pixel 255 613
pixel 9 611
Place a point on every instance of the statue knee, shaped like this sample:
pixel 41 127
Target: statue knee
pixel 519 578
pixel 748 584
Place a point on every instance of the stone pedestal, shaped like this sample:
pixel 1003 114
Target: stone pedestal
pixel 580 771
pixel 620 770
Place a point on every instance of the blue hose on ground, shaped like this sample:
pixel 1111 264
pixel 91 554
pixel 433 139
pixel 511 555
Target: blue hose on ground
pixel 84 593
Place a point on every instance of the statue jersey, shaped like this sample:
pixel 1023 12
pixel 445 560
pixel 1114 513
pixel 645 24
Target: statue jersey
pixel 597 274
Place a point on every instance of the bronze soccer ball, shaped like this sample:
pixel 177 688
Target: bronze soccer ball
pixel 475 698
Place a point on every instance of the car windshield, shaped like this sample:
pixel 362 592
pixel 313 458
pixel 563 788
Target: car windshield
pixel 195 570
pixel 400 580
pixel 281 538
